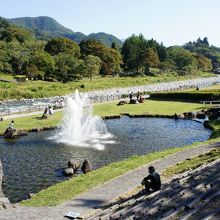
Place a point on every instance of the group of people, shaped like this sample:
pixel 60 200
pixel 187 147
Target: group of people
pixel 59 104
pixel 47 111
pixel 139 97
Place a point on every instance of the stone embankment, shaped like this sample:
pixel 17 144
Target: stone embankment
pixel 192 195
pixel 117 93
pixel 30 105
pixel 4 202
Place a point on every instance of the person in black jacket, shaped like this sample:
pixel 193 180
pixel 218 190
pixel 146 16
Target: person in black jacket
pixel 152 181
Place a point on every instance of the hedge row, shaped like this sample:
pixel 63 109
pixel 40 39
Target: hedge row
pixel 186 96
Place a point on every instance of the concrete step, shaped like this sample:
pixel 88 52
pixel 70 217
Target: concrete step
pixel 182 192
pixel 200 196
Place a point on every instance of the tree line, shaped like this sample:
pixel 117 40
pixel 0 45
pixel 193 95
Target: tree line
pixel 64 60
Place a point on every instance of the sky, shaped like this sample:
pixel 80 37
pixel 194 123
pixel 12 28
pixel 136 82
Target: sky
pixel 173 22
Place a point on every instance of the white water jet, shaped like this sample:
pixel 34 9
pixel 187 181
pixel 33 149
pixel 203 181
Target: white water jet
pixel 79 127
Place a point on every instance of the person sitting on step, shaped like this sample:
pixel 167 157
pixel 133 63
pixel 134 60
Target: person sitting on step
pixel 152 181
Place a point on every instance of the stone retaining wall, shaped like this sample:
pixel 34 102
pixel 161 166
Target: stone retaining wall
pixel 1 178
pixel 4 202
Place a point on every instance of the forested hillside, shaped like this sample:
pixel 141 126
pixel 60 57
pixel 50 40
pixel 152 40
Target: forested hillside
pixel 45 27
pixel 64 60
pixel 202 47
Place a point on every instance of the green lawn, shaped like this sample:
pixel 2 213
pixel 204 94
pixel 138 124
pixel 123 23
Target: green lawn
pixel 216 129
pixel 106 109
pixel 33 121
pixel 192 163
pixel 39 89
pixel 149 106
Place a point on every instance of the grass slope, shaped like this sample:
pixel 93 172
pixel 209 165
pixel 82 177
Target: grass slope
pixel 192 163
pixel 40 89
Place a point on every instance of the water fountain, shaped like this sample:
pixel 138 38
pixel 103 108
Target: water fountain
pixel 79 127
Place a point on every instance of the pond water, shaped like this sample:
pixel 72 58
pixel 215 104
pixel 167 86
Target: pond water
pixel 34 162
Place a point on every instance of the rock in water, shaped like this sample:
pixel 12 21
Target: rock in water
pixel 68 171
pixel 73 164
pixel 86 167
pixel 13 133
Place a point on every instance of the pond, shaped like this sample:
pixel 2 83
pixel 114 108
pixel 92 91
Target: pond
pixel 34 162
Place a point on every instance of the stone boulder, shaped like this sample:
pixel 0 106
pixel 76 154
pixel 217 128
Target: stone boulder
pixel 200 115
pixel 13 133
pixel 86 167
pixel 74 165
pixel 68 171
pixel 188 115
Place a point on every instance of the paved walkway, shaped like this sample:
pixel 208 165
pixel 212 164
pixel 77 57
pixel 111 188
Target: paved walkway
pixel 27 114
pixel 97 197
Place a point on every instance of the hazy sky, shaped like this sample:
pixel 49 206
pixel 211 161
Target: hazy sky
pixel 169 21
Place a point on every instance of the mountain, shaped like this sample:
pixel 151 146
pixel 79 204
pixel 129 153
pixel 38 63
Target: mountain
pixel 104 38
pixel 43 25
pixel 46 27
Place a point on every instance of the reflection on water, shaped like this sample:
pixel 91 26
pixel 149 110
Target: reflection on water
pixel 34 162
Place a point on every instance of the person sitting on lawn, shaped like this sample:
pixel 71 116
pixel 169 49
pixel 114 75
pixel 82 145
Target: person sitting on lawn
pixel 11 125
pixel 141 99
pixel 51 110
pixel 152 181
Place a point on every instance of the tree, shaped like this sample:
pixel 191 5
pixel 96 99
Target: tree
pixel 181 57
pixel 20 56
pixel 205 41
pixel 204 63
pixel 92 66
pixel 166 65
pixel 91 47
pixel 31 71
pixel 162 52
pixel 44 62
pixel 150 59
pixel 66 67
pixel 202 47
pixel 111 58
pixel 62 45
pixel 113 46
pixel 132 50
pixel 5 66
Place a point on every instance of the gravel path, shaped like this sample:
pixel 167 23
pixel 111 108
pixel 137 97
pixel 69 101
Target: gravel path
pixel 97 197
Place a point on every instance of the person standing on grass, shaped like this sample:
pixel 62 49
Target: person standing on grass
pixel 131 96
pixel 138 96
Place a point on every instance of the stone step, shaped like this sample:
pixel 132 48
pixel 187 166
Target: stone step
pixel 187 206
pixel 185 189
pixel 199 207
pixel 135 206
pixel 215 214
pixel 155 205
